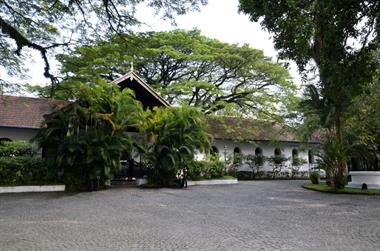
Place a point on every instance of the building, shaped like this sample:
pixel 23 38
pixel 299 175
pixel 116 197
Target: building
pixel 21 118
pixel 239 136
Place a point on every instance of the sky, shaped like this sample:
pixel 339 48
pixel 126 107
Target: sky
pixel 219 19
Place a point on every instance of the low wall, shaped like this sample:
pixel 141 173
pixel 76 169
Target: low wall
pixel 28 189
pixel 371 178
pixel 212 182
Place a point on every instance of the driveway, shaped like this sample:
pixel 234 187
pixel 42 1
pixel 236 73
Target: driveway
pixel 253 215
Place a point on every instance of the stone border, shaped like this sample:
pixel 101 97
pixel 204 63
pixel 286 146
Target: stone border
pixel 212 182
pixel 29 189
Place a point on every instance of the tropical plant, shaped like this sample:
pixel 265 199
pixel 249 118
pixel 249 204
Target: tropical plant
pixel 331 153
pixel 174 135
pixel 86 138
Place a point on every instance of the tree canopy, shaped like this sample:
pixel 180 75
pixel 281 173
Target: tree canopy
pixel 339 38
pixel 43 25
pixel 187 68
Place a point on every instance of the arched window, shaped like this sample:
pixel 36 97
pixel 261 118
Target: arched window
pixel 214 151
pixel 277 152
pixel 311 157
pixel 258 151
pixel 294 154
pixel 237 155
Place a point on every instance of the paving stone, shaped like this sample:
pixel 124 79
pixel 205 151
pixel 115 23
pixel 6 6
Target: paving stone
pixel 253 215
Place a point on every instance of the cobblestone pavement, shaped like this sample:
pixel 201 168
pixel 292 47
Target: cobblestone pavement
pixel 261 215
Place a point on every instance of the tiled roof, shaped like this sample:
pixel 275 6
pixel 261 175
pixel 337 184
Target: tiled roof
pixel 242 129
pixel 29 113
pixel 26 112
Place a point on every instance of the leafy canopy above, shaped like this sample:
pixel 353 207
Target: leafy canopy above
pixel 189 69
pixel 43 25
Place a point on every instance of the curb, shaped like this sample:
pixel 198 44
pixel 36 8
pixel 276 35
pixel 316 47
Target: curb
pixel 212 182
pixel 30 189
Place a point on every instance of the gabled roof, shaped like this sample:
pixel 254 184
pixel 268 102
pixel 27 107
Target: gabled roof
pixel 143 91
pixel 25 112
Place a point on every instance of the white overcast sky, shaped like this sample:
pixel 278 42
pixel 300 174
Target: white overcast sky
pixel 219 19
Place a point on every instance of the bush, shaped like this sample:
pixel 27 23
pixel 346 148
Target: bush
pixel 314 177
pixel 206 169
pixel 26 170
pixel 16 148
pixel 20 166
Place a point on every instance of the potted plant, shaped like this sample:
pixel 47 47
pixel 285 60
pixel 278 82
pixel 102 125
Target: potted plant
pixel 314 177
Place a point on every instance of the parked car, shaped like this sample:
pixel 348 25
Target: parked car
pixel 322 173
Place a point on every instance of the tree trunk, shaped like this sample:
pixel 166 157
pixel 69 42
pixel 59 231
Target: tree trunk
pixel 339 177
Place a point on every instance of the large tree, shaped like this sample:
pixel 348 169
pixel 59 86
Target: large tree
pixel 337 37
pixel 190 69
pixel 43 25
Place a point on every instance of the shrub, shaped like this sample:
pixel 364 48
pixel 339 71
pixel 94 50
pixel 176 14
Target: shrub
pixel 206 169
pixel 16 148
pixel 26 170
pixel 215 169
pixel 314 177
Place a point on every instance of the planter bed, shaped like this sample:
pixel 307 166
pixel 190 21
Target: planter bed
pixel 322 187
pixel 29 189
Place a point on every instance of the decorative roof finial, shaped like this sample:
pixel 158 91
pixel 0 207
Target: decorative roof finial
pixel 132 65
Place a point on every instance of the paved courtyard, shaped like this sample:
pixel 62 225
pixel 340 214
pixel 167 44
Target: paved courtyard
pixel 261 215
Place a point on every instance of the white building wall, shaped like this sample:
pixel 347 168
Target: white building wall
pixel 226 150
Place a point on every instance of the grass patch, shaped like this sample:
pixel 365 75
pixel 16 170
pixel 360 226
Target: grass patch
pixel 322 187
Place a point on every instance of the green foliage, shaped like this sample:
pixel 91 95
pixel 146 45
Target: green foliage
pixel 363 127
pixel 277 160
pixel 339 38
pixel 16 148
pixel 174 135
pixel 332 153
pixel 87 138
pixel 19 165
pixel 297 161
pixel 314 177
pixel 44 25
pixel 189 69
pixel 277 163
pixel 27 170
pixel 210 168
pixel 255 162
